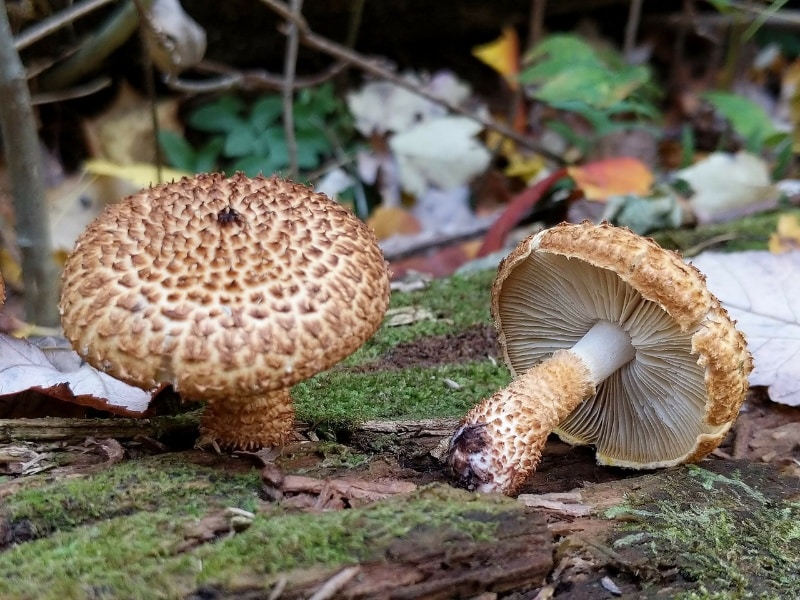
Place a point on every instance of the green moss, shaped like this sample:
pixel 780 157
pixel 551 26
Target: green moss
pixel 749 233
pixel 136 556
pixel 338 399
pixel 156 484
pixel 722 533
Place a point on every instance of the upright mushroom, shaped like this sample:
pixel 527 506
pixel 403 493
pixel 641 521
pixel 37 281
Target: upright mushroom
pixel 614 342
pixel 230 289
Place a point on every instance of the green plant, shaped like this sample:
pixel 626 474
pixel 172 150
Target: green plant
pixel 237 136
pixel 752 123
pixel 570 75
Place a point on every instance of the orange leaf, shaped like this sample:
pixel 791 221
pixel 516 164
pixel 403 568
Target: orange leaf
pixel 502 55
pixel 387 221
pixel 612 177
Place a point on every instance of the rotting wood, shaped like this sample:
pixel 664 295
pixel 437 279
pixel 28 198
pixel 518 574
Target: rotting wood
pixel 57 429
pixel 431 565
pixel 52 429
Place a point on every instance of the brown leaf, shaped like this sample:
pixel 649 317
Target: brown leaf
pixel 59 373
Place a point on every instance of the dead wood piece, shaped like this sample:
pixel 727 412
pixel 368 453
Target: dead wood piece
pixel 434 564
pixel 567 504
pixel 411 429
pixel 50 429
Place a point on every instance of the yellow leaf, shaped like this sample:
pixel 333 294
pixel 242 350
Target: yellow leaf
pixel 612 177
pixel 787 235
pixel 524 166
pixel 11 269
pixel 389 220
pixel 502 55
pixel 140 175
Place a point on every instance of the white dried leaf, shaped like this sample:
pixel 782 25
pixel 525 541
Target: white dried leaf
pixel 725 185
pixel 441 153
pixel 25 366
pixel 761 291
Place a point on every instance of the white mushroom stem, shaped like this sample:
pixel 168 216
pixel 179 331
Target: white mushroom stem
pixel 500 441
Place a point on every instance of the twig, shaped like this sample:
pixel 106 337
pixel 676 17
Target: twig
pixel 289 69
pixel 24 158
pixel 78 91
pixel 398 247
pixel 312 40
pixel 632 26
pixel 336 583
pixel 51 429
pixel 536 25
pixel 113 33
pixel 53 23
pixel 257 79
pixel 150 85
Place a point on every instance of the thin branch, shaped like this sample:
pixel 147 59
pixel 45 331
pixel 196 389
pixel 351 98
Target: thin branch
pixel 373 67
pixel 257 79
pixel 24 157
pixel 536 24
pixel 91 54
pixel 289 69
pixel 150 84
pixel 78 91
pixel 54 22
pixel 632 26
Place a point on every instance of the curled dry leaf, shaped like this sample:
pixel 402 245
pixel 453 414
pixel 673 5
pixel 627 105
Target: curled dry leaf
pixel 60 373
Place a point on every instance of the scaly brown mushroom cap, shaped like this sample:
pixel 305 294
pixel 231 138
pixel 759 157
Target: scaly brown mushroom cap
pixel 230 289
pixel 615 342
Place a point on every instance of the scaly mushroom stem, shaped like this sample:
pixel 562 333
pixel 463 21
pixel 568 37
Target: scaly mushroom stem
pixel 248 423
pixel 500 441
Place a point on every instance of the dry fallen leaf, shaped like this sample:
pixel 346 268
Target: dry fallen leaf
pixel 786 236
pixel 502 55
pixel 728 185
pixel 60 372
pixel 441 153
pixel 761 291
pixel 612 177
pixel 387 221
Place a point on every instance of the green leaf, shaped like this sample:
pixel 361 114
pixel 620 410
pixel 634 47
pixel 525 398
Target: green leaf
pixel 572 138
pixel 747 118
pixel 563 46
pixel 240 141
pixel 265 112
pixel 178 151
pixel 595 86
pixel 272 142
pixel 253 165
pixel 320 100
pixel 207 158
pixel 219 116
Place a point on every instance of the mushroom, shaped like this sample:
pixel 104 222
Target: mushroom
pixel 229 289
pixel 613 342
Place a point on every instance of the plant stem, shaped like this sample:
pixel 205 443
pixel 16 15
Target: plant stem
pixel 23 156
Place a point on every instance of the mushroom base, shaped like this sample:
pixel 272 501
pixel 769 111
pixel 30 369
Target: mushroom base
pixel 248 423
pixel 499 442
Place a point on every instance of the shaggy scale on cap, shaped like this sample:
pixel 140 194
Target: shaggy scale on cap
pixel 229 289
pixel 614 342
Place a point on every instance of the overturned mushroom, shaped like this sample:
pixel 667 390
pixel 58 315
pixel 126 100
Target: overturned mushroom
pixel 229 289
pixel 614 342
